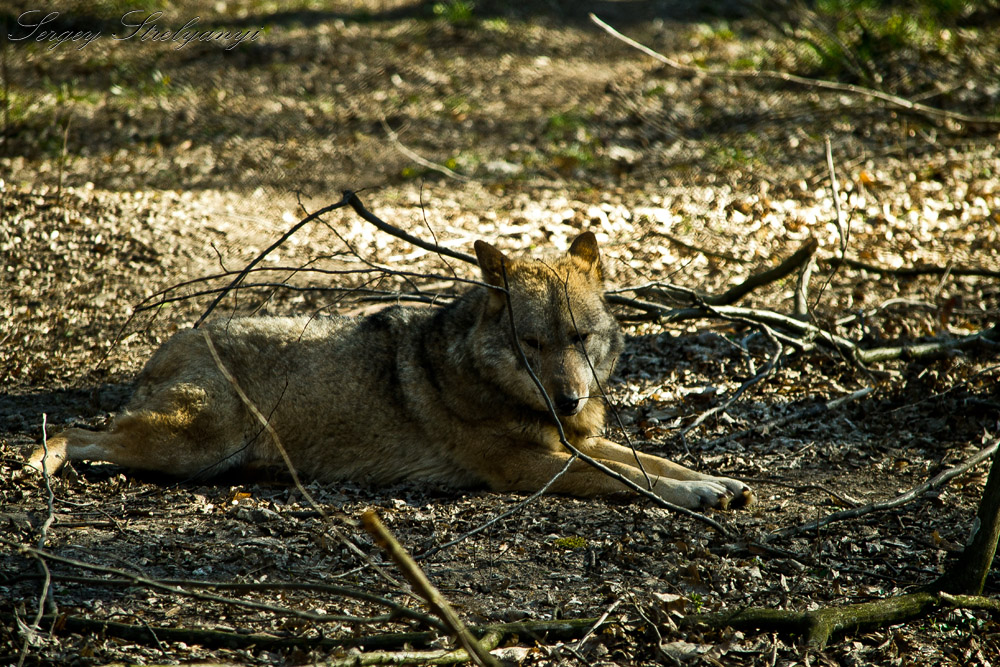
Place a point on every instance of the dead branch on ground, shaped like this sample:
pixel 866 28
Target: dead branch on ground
pixel 932 113
pixel 396 612
pixel 820 625
pixel 499 517
pixel 671 293
pixel 284 237
pixel 563 629
pixel 799 415
pixel 45 598
pixel 806 336
pixel 932 484
pixel 960 587
pixel 426 590
pixel 787 266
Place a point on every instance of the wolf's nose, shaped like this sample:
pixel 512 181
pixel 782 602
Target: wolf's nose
pixel 568 404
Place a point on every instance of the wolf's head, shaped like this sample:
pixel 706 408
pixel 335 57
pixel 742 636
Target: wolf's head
pixel 556 314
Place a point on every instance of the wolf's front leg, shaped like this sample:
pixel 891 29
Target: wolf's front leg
pixel 654 467
pixel 524 471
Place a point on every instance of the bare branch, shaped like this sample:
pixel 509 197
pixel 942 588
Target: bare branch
pixel 179 590
pixel 861 91
pixel 500 517
pixel 807 413
pixel 422 161
pixel 431 595
pixel 809 334
pixel 329 589
pixel 935 482
pixel 786 267
pixel 146 634
pixel 45 597
pixel 359 208
pixel 256 260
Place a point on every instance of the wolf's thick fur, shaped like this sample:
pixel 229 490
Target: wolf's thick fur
pixel 407 393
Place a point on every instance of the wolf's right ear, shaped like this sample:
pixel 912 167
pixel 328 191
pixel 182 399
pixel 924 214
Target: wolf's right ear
pixel 491 263
pixel 584 248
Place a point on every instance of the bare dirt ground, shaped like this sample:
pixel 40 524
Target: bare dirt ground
pixel 132 166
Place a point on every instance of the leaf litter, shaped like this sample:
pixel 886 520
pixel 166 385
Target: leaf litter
pixel 665 207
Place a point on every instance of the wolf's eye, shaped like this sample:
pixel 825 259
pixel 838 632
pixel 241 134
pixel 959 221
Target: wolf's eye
pixel 532 342
pixel 580 337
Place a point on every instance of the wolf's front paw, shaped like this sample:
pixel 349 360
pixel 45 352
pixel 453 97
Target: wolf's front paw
pixel 694 494
pixel 742 494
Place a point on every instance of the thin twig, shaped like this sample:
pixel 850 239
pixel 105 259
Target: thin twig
pixel 843 230
pixel 330 589
pixel 45 597
pixel 359 208
pixel 366 294
pixel 935 482
pixel 913 271
pixel 764 373
pixel 839 496
pixel 810 332
pixel 422 161
pixel 256 260
pixel 143 634
pixel 431 595
pixel 264 422
pixel 500 517
pixel 573 450
pixel 62 159
pixel 598 623
pixel 888 98
pixel 396 613
pixel 809 412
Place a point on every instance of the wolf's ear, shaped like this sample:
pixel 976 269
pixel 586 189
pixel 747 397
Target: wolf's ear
pixel 491 263
pixel 584 247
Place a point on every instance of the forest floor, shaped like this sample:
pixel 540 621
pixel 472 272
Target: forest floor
pixel 129 167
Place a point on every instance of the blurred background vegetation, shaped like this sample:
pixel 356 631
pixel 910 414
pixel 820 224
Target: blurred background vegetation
pixel 331 95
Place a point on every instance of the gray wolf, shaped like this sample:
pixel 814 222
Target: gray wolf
pixel 427 394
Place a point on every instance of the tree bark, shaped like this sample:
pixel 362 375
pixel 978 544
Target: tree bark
pixel 967 575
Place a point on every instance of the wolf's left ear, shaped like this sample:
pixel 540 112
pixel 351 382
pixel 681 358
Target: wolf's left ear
pixel 491 262
pixel 584 247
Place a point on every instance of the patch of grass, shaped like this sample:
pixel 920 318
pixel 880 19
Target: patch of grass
pixel 65 92
pixel 571 542
pixel 564 126
pixel 858 36
pixel 455 12
pixel 129 82
pixel 714 33
pixel 730 157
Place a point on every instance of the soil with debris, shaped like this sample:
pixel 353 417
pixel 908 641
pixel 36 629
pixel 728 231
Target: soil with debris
pixel 139 178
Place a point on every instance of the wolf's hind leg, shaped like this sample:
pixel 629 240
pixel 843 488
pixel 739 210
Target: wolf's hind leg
pixel 176 443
